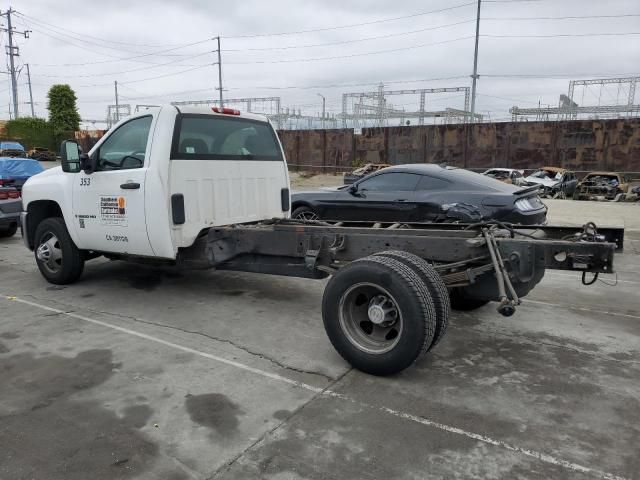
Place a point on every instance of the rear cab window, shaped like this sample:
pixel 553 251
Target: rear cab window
pixel 223 137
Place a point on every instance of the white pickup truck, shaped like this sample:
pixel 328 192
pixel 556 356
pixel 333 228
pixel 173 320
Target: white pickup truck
pixel 209 188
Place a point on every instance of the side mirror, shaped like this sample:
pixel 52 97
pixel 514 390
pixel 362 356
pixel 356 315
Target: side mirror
pixel 353 188
pixel 70 156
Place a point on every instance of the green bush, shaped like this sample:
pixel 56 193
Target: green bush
pixel 31 132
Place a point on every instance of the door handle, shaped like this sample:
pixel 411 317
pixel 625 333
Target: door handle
pixel 400 200
pixel 130 186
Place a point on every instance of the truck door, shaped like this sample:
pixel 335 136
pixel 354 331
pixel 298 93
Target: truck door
pixel 108 204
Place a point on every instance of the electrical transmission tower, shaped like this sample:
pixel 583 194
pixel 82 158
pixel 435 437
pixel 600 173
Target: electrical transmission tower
pixel 621 105
pixel 373 109
pixel 13 51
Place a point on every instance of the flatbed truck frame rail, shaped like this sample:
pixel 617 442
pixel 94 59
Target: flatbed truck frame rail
pixel 472 264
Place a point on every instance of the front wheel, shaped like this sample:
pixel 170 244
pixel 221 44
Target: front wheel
pixel 59 260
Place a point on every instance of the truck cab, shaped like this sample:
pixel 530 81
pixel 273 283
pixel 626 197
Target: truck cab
pixel 158 179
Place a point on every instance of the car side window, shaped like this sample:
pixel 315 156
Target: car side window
pixel 430 184
pixel 397 182
pixel 126 147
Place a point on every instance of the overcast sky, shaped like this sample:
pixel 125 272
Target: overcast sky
pixel 90 44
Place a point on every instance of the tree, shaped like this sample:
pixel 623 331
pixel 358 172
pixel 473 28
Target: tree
pixel 31 132
pixel 63 112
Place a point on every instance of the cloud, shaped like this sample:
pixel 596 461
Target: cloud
pixel 100 35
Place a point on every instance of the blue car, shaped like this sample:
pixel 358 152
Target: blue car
pixel 15 171
pixel 12 149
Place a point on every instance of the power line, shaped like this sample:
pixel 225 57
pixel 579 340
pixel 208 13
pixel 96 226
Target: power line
pixel 85 35
pixel 121 72
pixel 373 22
pixel 117 59
pixel 148 78
pixel 390 35
pixel 316 59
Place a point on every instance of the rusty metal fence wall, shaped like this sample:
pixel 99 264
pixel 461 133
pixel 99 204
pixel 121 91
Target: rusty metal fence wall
pixel 583 145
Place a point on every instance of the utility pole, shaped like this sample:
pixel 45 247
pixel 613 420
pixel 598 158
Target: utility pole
pixel 115 84
pixel 324 100
pixel 475 66
pixel 12 51
pixel 30 92
pixel 219 71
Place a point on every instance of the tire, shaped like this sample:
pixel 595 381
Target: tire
pixel 433 281
pixel 304 213
pixel 378 315
pixel 462 303
pixel 59 260
pixel 9 232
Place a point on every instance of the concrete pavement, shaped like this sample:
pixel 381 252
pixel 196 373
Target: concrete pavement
pixel 141 372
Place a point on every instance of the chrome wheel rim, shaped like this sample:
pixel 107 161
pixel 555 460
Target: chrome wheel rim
pixel 49 253
pixel 308 215
pixel 370 318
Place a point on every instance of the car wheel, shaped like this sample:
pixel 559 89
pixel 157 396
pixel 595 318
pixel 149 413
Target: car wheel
pixel 304 213
pixel 9 232
pixel 379 315
pixel 59 260
pixel 462 303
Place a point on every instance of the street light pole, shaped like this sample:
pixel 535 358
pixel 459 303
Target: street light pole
pixel 324 102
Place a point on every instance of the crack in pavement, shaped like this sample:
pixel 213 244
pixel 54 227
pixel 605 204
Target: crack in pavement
pixel 327 390
pixel 193 332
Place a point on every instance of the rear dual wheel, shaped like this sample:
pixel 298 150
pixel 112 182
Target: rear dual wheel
pixel 379 312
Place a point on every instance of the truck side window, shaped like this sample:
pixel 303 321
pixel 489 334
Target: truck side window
pixel 126 147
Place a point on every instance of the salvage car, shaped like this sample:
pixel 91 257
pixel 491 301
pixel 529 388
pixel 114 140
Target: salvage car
pixel 10 208
pixel 12 149
pixel 605 186
pixel 16 171
pixel 506 175
pixel 363 171
pixel 422 193
pixel 555 182
pixel 42 154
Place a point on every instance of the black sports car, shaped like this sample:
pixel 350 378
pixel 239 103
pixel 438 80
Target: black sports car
pixel 422 193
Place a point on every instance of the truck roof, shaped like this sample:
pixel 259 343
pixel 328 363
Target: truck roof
pixel 209 111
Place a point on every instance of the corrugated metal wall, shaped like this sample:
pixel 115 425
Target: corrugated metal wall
pixel 583 145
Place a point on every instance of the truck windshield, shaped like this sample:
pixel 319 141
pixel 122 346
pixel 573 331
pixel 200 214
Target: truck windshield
pixel 214 137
